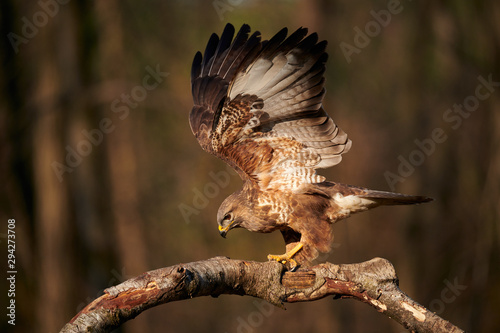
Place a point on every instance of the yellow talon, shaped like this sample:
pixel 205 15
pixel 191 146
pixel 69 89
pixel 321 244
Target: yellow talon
pixel 287 257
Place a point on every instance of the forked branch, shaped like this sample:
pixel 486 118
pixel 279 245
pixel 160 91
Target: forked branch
pixel 373 282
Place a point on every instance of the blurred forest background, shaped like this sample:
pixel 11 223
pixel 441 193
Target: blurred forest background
pixel 105 180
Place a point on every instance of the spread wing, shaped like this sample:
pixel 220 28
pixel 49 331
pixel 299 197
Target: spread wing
pixel 257 106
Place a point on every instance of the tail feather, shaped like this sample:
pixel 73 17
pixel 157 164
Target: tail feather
pixel 390 198
pixel 332 189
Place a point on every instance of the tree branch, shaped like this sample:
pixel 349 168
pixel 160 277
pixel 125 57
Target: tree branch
pixel 373 282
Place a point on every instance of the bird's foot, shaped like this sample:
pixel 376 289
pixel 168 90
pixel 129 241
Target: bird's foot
pixel 284 260
pixel 287 257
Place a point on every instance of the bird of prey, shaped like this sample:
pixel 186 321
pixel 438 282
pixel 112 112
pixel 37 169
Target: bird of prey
pixel 258 107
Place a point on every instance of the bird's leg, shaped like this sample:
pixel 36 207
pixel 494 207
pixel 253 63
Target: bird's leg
pixel 287 256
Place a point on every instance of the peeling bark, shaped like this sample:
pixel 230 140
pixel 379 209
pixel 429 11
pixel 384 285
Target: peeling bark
pixel 373 282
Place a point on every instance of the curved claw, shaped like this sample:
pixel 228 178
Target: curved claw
pixel 287 257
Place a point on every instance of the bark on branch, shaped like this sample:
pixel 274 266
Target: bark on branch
pixel 373 282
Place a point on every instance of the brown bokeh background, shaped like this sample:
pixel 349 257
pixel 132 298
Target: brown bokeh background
pixel 130 201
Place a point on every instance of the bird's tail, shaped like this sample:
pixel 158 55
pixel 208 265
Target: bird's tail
pixel 391 198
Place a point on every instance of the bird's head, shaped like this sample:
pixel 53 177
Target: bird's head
pixel 231 214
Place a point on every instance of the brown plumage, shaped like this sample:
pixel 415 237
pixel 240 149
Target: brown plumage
pixel 257 106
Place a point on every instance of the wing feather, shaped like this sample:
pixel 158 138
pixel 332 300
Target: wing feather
pixel 211 74
pixel 258 106
pixel 225 41
pixel 212 44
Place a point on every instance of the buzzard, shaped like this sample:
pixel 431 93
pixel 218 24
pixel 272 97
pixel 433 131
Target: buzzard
pixel 258 107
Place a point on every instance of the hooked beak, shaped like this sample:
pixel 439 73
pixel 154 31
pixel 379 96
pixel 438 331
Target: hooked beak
pixel 223 231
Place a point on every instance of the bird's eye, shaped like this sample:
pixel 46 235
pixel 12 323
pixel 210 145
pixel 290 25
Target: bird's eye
pixel 228 217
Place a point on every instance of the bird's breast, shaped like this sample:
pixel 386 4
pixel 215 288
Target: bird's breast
pixel 276 207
